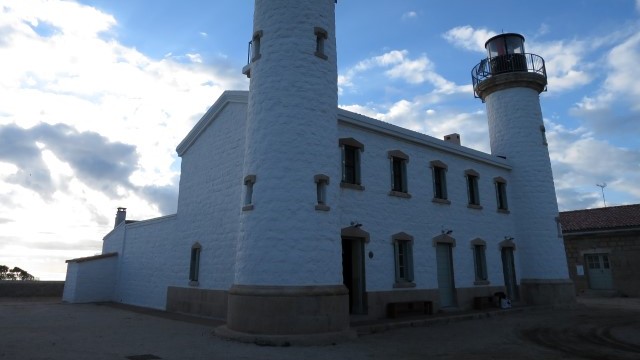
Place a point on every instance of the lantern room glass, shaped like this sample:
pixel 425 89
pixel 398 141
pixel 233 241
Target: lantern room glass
pixel 505 44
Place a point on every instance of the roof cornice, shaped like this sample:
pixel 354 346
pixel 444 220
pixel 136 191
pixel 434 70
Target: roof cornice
pixel 401 133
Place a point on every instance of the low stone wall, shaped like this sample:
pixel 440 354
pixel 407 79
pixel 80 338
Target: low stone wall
pixel 9 288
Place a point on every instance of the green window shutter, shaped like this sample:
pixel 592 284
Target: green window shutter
pixel 342 152
pixel 409 261
pixel 357 166
pixel 396 253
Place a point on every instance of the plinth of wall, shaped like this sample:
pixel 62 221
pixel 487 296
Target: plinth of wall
pixel 281 315
pixel 201 302
pixel 547 291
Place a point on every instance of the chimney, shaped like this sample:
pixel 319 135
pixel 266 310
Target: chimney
pixel 121 216
pixel 453 138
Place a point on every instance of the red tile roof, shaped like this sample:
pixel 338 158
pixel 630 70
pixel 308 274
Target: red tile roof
pixel 608 218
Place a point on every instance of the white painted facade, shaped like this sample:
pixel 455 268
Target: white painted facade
pixel 284 132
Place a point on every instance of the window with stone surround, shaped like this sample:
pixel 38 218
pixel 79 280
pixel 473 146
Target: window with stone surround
pixel 439 172
pixel 255 46
pixel 194 266
pixel 479 247
pixel 322 181
pixel 403 252
pixel 398 162
pixel 321 37
pixel 249 180
pixel 351 149
pixel 473 194
pixel 501 194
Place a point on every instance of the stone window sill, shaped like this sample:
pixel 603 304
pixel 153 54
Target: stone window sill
pixel 194 283
pixel 247 207
pixel 346 185
pixel 481 282
pixel 474 206
pixel 441 201
pixel 404 285
pixel 400 194
pixel 503 211
pixel 321 207
pixel 321 55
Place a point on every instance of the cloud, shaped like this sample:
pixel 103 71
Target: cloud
pixel 96 161
pixel 565 63
pixel 579 161
pixel 409 15
pixel 468 38
pixel 613 108
pixel 88 124
pixel 398 65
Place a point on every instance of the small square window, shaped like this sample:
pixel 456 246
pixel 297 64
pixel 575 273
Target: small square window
pixel 321 37
pixel 249 180
pixel 321 181
pixel 255 46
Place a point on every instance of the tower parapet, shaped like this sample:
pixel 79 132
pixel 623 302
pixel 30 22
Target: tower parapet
pixel 508 65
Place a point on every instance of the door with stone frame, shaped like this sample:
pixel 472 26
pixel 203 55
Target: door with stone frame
pixel 446 284
pixel 509 272
pixel 353 274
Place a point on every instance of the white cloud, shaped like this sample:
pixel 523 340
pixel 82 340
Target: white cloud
pixel 409 15
pixel 565 63
pixel 400 66
pixel 468 38
pixel 63 66
pixel 580 161
pixel 417 115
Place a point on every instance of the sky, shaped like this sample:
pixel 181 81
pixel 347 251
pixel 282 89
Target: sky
pixel 95 95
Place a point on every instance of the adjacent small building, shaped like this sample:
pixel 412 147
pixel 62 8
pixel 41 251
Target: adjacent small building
pixel 603 249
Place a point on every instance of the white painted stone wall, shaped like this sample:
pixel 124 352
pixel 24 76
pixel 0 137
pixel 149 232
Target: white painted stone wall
pixel 156 253
pixel 383 215
pixel 90 281
pixel 112 242
pixel 291 137
pixel 211 187
pixel 515 118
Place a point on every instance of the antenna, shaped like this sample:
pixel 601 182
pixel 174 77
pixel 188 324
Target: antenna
pixel 602 186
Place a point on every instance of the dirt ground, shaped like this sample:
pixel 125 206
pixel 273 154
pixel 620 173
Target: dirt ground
pixel 594 329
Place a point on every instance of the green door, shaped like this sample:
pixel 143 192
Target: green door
pixel 446 285
pixel 599 271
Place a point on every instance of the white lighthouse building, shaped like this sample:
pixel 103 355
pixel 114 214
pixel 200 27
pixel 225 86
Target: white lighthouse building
pixel 293 215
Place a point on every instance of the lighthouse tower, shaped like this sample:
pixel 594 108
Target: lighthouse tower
pixel 509 81
pixel 288 276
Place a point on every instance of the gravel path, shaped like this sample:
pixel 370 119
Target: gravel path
pixel 595 329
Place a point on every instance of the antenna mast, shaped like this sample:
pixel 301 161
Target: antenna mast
pixel 602 186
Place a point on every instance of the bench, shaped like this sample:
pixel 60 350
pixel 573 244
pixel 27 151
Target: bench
pixel 484 302
pixel 395 309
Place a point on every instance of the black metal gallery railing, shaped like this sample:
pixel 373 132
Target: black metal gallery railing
pixel 507 63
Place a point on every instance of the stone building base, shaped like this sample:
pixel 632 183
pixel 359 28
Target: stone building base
pixel 547 291
pixel 283 315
